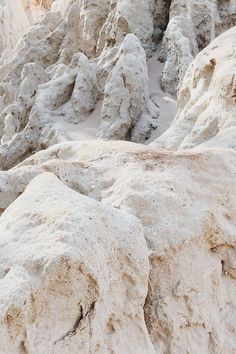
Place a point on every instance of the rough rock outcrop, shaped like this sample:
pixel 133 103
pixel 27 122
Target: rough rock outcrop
pixel 67 84
pixel 207 100
pixel 190 302
pixel 117 247
pixel 16 18
pixel 72 279
pixel 192 26
pixel 128 111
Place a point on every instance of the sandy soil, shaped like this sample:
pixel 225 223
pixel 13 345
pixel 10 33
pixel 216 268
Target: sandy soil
pixel 86 130
pixel 167 104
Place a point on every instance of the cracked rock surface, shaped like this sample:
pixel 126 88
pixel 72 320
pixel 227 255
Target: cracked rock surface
pixel 187 211
pixel 71 277
pixel 117 219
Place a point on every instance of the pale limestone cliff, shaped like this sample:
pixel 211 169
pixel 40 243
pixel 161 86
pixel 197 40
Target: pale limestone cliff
pixel 78 284
pixel 193 24
pixel 110 35
pixel 187 210
pixel 127 111
pixel 117 247
pixel 207 100
pixel 16 17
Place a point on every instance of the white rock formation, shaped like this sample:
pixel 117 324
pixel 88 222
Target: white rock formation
pixel 192 26
pixel 74 279
pixel 187 210
pixel 128 111
pixel 73 84
pixel 110 35
pixel 16 17
pixel 77 275
pixel 207 100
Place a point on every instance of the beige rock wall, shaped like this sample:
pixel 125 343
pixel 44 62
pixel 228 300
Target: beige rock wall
pixel 117 247
pixel 207 100
pixel 69 85
pixel 192 26
pixel 74 279
pixel 187 210
pixel 16 17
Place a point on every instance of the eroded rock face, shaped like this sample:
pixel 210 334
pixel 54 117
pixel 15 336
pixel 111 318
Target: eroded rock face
pixel 190 302
pixel 117 247
pixel 76 284
pixel 192 26
pixel 90 51
pixel 128 111
pixel 66 84
pixel 207 100
pixel 16 18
